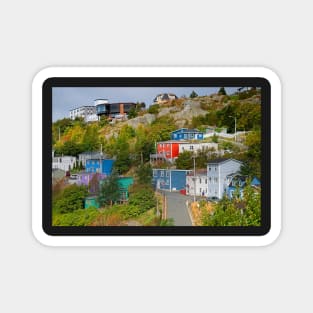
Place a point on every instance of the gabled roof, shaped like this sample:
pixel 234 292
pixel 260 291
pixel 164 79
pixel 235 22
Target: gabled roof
pixel 222 160
pixel 164 96
pixel 187 130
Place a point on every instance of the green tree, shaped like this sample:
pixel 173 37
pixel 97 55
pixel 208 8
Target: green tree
pixel 94 184
pixel 123 162
pixel 69 148
pixel 222 91
pixel 215 138
pixel 91 140
pixel 144 145
pixel 193 94
pixel 203 156
pixel 103 121
pixel 109 190
pixel 132 113
pixel 252 156
pixel 144 174
pixel 184 160
pixel 236 211
pixel 142 196
pixel 153 109
pixel 71 199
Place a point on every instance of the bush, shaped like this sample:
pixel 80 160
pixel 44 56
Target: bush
pixel 154 109
pixel 143 198
pixel 80 217
pixel 72 199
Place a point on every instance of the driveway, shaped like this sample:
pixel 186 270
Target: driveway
pixel 176 208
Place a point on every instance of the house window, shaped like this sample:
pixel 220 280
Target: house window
pixel 200 189
pixel 167 173
pixel 162 173
pixel 209 169
pixel 215 180
pixel 206 181
pixel 200 182
pixel 155 173
pixel 215 168
pixel 210 180
pixel 191 147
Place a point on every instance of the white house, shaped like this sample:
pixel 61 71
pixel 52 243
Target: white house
pixel 164 97
pixel 198 183
pixel 65 163
pixel 88 155
pixel 195 146
pixel 83 111
pixel 217 172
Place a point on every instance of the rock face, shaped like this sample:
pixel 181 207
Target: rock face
pixel 184 114
pixel 141 120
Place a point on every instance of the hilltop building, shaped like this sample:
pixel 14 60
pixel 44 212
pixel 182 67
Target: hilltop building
pixel 117 110
pixel 164 97
pixel 88 112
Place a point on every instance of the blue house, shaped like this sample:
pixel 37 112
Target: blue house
pixel 169 179
pixel 186 134
pixel 103 166
pixel 237 183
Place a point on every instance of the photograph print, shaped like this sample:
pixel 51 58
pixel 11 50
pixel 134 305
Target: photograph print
pixel 156 156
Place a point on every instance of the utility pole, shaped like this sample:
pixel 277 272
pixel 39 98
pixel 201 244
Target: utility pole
pixel 194 178
pixel 235 127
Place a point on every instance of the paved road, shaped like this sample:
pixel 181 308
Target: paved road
pixel 176 208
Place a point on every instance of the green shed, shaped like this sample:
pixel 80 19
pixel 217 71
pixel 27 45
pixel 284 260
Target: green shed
pixel 124 183
pixel 91 202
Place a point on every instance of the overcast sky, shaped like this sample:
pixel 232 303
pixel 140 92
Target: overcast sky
pixel 67 98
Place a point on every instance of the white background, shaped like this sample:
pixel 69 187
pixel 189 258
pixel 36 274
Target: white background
pixel 36 34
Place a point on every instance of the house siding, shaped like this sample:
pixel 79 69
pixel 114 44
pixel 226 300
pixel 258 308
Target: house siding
pixel 201 185
pixel 172 180
pixel 99 166
pixel 217 173
pixel 186 134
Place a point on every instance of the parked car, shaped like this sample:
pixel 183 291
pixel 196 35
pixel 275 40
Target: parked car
pixel 213 199
pixel 74 176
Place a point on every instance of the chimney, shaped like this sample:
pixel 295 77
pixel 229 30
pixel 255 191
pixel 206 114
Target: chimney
pixel 122 108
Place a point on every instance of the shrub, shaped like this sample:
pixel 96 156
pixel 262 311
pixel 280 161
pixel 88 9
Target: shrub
pixel 80 217
pixel 154 109
pixel 71 199
pixel 143 198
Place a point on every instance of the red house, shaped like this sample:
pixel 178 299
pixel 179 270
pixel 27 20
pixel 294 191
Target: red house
pixel 169 149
